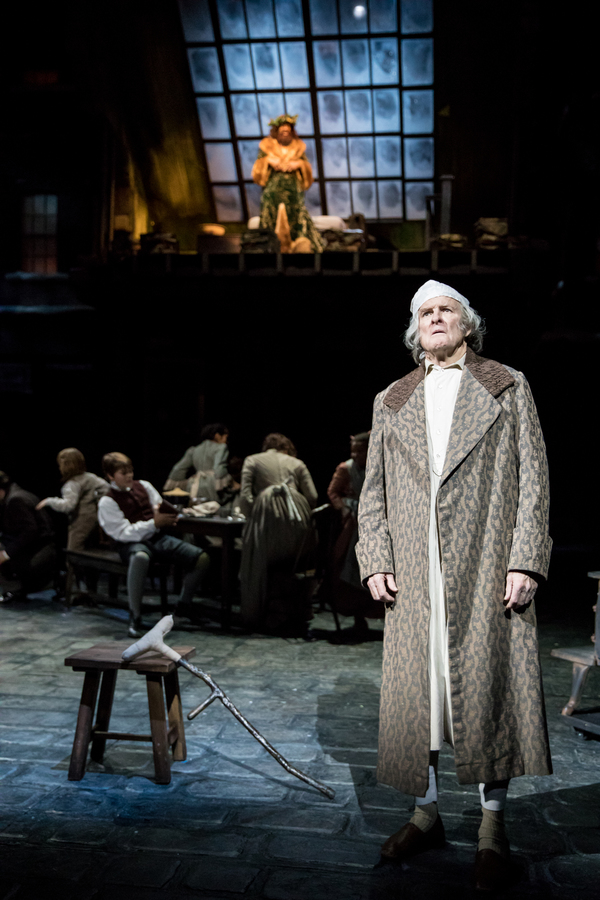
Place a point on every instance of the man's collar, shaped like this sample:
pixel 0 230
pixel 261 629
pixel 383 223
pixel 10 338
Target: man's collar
pixel 459 364
pixel 491 374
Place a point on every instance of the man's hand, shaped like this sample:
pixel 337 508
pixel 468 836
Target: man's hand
pixel 520 590
pixel 42 504
pixel 382 587
pixel 164 520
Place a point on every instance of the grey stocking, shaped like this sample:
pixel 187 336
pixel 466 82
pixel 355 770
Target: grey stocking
pixel 139 563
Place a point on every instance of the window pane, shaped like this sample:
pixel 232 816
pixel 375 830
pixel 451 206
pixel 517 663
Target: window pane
pixel 245 114
pixel 40 204
pixel 29 204
pixel 261 23
pixel 417 61
pixel 50 225
pixel 362 163
pixel 195 17
pixel 300 105
pixel 415 199
pixel 323 17
pixel 213 117
pixel 335 160
pixel 221 162
pixel 387 110
pixel 417 112
pixel 331 112
pixel 311 155
pixel 353 16
pixel 266 65
pixel 387 153
pixel 364 199
pixel 204 66
pixel 248 151
pixel 228 202
pixel 382 15
pixel 338 198
pixel 293 63
pixel 356 62
pixel 231 18
pixel 358 111
pixel 51 204
pixel 416 16
pixel 328 70
pixel 418 157
pixel 238 66
pixel 390 199
pixel 384 52
pixel 253 192
pixel 290 22
pixel 271 107
pixel 312 199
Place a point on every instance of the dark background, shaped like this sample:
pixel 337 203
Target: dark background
pixel 110 359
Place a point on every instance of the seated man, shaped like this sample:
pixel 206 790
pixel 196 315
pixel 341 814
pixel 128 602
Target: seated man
pixel 130 514
pixel 27 551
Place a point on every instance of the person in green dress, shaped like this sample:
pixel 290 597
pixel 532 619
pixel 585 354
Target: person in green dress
pixel 284 172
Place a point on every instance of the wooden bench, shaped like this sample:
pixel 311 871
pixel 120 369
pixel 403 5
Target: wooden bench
pixel 583 658
pixel 101 664
pixel 110 562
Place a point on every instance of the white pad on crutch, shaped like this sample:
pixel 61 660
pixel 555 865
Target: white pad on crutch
pixel 153 640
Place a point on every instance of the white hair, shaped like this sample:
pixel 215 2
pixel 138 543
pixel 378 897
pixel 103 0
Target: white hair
pixel 471 324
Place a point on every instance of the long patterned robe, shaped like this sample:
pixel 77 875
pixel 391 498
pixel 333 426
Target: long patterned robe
pixel 287 188
pixel 492 512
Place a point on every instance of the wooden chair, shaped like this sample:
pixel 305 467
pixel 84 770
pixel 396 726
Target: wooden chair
pixel 583 658
pixel 101 664
pixel 109 562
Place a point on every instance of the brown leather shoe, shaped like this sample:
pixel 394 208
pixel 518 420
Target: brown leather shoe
pixel 410 840
pixel 491 871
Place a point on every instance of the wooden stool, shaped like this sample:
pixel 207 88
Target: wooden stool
pixel 104 660
pixel 583 659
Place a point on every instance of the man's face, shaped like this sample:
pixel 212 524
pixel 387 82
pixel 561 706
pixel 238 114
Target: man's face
pixel 358 452
pixel 123 478
pixel 220 438
pixel 284 135
pixel 439 325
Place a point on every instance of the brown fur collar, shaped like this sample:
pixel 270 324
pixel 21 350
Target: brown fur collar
pixel 491 374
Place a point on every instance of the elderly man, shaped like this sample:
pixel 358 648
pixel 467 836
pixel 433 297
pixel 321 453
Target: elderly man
pixel 453 538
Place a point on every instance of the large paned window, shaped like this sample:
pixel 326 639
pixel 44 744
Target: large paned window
pixel 359 75
pixel 39 233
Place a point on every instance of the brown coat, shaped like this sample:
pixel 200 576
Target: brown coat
pixel 493 517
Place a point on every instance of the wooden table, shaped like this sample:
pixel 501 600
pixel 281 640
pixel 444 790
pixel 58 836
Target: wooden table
pixel 103 661
pixel 228 530
pixel 583 658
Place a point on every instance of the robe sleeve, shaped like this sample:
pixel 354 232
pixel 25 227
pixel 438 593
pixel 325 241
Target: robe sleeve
pixel 246 482
pixel 531 543
pixel 374 548
pixel 305 174
pixel 180 470
pixel 306 485
pixel 260 169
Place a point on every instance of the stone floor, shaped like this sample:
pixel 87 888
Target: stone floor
pixel 232 822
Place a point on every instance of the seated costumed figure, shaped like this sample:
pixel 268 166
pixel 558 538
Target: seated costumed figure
pixel 284 172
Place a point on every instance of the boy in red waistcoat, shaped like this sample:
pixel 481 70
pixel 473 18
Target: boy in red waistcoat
pixel 130 514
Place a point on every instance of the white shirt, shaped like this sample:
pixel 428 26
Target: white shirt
pixel 113 522
pixel 441 391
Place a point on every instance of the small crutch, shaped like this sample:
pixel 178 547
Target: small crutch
pixel 154 640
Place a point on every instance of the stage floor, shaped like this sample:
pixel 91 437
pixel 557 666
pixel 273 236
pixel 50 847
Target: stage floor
pixel 232 821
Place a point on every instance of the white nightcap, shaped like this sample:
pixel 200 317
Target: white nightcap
pixel 432 289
